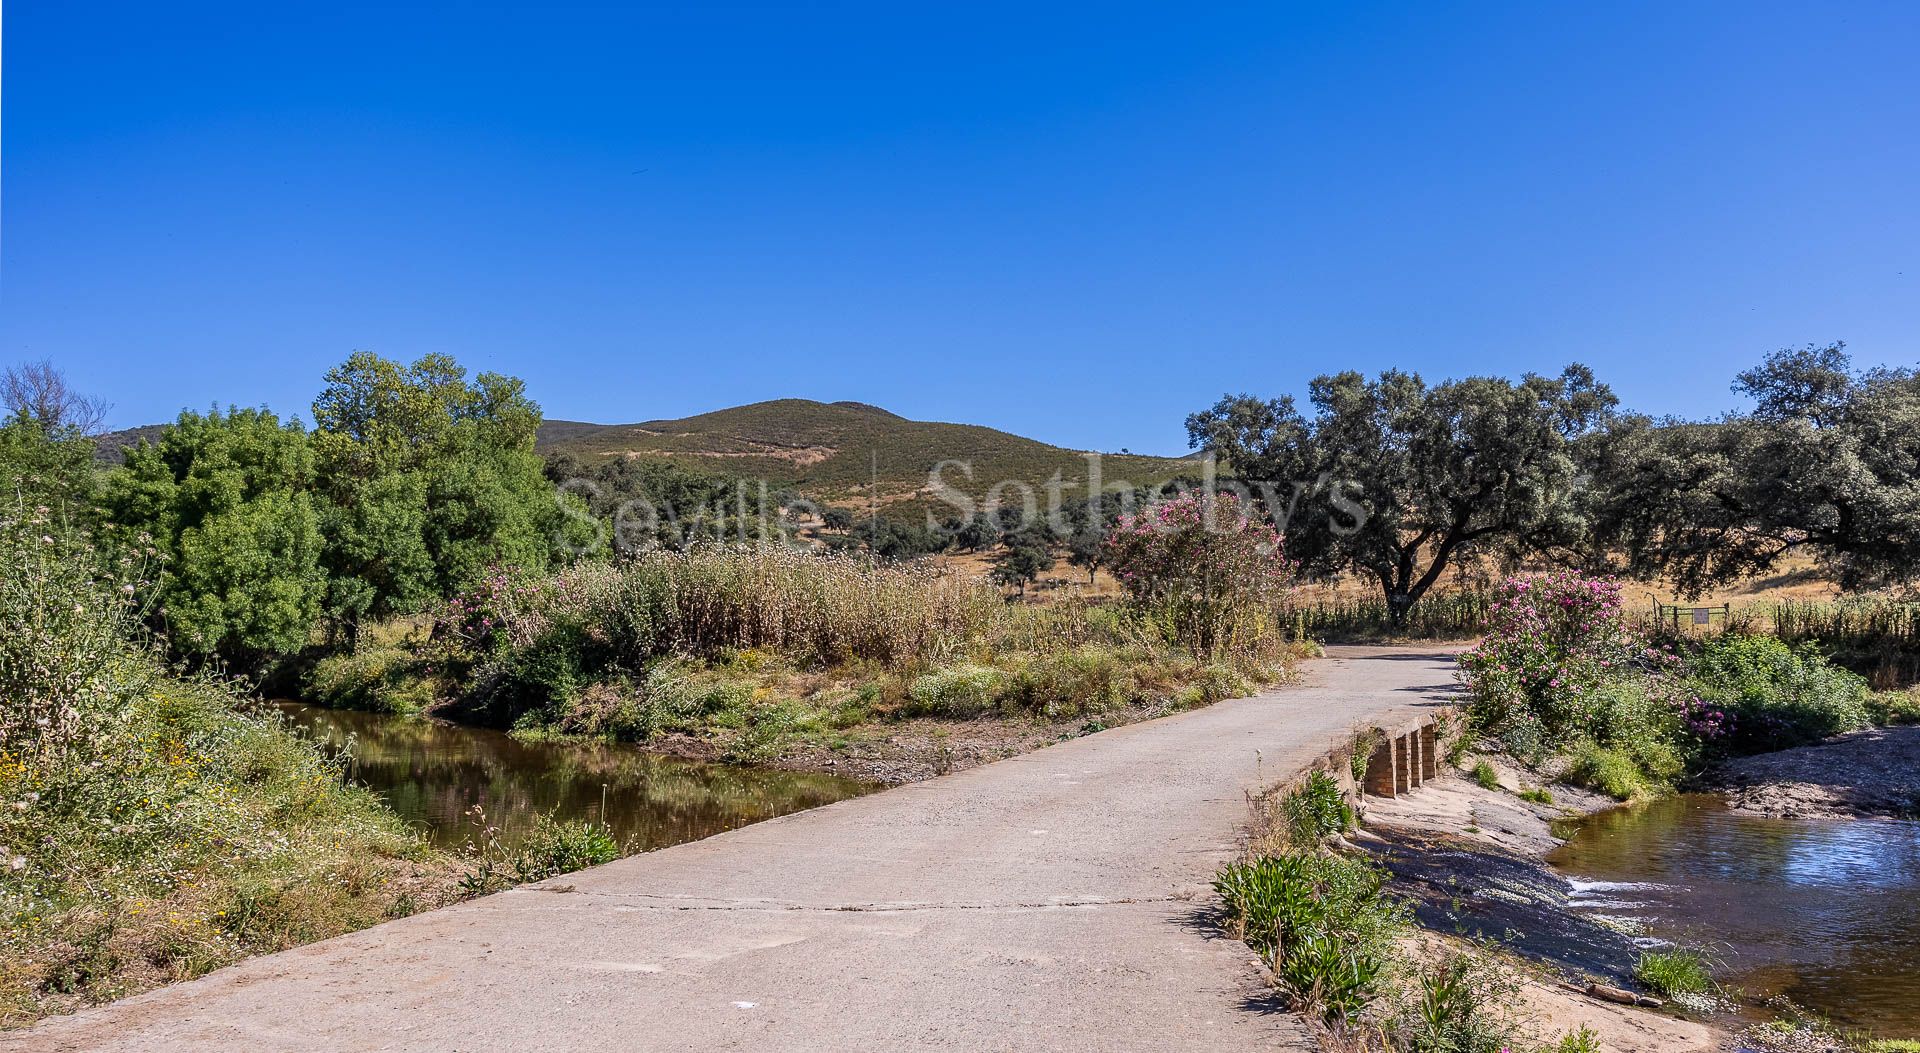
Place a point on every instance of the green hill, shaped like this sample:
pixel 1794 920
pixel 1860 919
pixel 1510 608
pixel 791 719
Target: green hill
pixel 834 451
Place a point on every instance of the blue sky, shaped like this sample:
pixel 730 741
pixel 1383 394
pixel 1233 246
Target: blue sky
pixel 1079 223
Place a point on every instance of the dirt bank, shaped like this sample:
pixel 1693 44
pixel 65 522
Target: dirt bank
pixel 1867 774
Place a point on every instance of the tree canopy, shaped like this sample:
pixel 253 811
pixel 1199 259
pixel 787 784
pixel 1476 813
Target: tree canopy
pixel 429 478
pixel 1827 462
pixel 1395 479
pixel 226 498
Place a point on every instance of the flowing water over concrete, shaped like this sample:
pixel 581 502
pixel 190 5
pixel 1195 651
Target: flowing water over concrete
pixel 1825 912
pixel 433 773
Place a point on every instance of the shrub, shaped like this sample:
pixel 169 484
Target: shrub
pixel 552 847
pixel 1316 808
pixel 1320 921
pixel 1778 695
pixel 1203 569
pixel 1456 1005
pixel 156 827
pixel 1675 972
pixel 1076 682
pixel 1888 708
pixel 958 691
pixel 1583 1040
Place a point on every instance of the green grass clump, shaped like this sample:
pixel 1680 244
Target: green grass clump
pixel 377 678
pixel 1583 1040
pixel 1317 808
pixel 1537 794
pixel 551 848
pixel 1611 772
pixel 1891 708
pixel 965 690
pixel 1676 972
pixel 1484 775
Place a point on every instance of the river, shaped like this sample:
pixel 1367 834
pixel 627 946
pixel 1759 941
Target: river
pixel 433 773
pixel 1824 912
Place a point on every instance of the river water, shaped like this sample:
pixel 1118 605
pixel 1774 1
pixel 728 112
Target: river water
pixel 432 772
pixel 1824 912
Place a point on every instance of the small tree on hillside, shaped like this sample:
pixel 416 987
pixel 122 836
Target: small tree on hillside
pixel 1021 562
pixel 1396 480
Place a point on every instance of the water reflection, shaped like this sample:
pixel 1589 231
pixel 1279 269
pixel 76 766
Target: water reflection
pixel 432 772
pixel 1826 913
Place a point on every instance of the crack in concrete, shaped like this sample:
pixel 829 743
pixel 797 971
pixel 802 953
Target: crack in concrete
pixel 645 901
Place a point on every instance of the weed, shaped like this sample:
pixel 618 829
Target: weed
pixel 1485 776
pixel 1320 921
pixel 1537 795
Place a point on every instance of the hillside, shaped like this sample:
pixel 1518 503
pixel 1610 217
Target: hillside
pixel 834 450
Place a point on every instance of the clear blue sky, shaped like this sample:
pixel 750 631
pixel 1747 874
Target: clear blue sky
pixel 1074 222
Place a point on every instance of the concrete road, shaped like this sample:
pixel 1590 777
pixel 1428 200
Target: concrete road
pixel 1055 901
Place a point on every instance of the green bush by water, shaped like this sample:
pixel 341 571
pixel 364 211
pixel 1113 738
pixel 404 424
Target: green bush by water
pixel 1778 695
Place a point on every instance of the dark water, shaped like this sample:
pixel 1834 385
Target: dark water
pixel 432 772
pixel 1826 913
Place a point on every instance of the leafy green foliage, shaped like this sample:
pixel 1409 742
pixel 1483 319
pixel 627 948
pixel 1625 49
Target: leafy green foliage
pixel 430 480
pixel 226 498
pixel 1611 772
pixel 155 827
pixel 1316 808
pixel 1394 479
pixel 1458 1004
pixel 1020 562
pixel 965 690
pixel 551 848
pixel 1822 463
pixel 1778 696
pixel 1485 776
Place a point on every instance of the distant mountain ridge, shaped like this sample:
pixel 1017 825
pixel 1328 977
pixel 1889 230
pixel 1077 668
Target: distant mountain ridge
pixel 843 449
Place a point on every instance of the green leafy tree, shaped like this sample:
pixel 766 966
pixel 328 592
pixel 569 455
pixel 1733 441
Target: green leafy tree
pixel 227 499
pixel 1396 479
pixel 1826 462
pixel 1023 560
pixel 428 479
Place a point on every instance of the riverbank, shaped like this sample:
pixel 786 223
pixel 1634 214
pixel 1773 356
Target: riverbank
pixel 1472 861
pixel 1866 774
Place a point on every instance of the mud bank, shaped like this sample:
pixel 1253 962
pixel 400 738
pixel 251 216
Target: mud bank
pixel 1867 774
